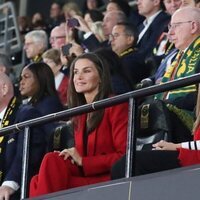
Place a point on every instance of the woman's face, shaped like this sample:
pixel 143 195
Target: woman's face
pixel 28 84
pixel 86 78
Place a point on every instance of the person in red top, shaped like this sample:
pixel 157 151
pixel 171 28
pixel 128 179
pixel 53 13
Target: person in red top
pixel 100 136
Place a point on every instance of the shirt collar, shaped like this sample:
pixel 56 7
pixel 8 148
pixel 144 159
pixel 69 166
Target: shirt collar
pixel 149 20
pixel 2 114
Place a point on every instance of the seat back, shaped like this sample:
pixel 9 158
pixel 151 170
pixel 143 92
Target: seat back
pixel 153 124
pixel 62 137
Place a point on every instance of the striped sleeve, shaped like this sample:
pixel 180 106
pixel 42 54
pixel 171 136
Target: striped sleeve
pixel 192 145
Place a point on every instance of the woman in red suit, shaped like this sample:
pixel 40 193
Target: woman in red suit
pixel 165 155
pixel 100 136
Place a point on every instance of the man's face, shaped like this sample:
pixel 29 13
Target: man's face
pixel 57 38
pixel 172 5
pixel 109 21
pixel 55 10
pixel 120 41
pixel 146 7
pixel 31 48
pixel 180 31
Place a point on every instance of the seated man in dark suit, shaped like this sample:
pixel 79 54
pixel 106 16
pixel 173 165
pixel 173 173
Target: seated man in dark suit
pixel 11 145
pixel 123 39
pixel 154 25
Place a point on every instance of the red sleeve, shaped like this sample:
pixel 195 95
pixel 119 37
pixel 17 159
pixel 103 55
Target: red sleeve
pixel 189 157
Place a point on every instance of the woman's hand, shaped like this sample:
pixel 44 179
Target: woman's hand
pixel 73 154
pixel 163 145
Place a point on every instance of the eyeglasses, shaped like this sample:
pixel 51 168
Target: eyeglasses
pixel 56 37
pixel 175 25
pixel 116 35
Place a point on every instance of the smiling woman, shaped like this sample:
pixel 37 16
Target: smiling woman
pixel 100 136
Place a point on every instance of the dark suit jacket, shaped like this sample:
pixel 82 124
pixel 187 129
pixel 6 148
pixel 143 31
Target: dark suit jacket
pixel 151 36
pixel 92 43
pixel 14 146
pixel 134 66
pixel 48 105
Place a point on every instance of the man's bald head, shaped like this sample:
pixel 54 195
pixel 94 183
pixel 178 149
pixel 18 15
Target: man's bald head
pixel 58 37
pixel 185 27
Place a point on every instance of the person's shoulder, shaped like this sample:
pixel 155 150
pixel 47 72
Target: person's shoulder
pixel 27 112
pixel 163 16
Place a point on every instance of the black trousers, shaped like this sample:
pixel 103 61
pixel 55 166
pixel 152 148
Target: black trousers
pixel 147 162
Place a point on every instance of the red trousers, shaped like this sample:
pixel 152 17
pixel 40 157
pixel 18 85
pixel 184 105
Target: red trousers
pixel 58 174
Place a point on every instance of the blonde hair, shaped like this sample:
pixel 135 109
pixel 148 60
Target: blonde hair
pixel 97 29
pixel 53 54
pixel 71 6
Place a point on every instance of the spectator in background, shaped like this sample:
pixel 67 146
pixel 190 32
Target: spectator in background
pixel 164 51
pixel 38 22
pixel 110 19
pixel 52 58
pixel 56 16
pixel 92 16
pixel 92 5
pixel 154 25
pixel 100 136
pixel 123 41
pixel 132 15
pixel 119 81
pixel 6 65
pixel 36 42
pixel 24 25
pixel 97 29
pixel 172 5
pixel 11 145
pixel 58 37
pixel 71 9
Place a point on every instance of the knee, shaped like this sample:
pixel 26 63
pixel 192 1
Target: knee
pixel 51 157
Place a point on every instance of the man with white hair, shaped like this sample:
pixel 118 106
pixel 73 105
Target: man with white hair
pixel 36 42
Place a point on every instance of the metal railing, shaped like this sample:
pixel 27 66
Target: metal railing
pixel 130 96
pixel 10 40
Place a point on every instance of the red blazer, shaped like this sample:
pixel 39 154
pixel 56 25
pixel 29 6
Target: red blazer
pixel 106 144
pixel 190 157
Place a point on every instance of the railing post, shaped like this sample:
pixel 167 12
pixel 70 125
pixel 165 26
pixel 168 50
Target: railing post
pixel 25 162
pixel 130 150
